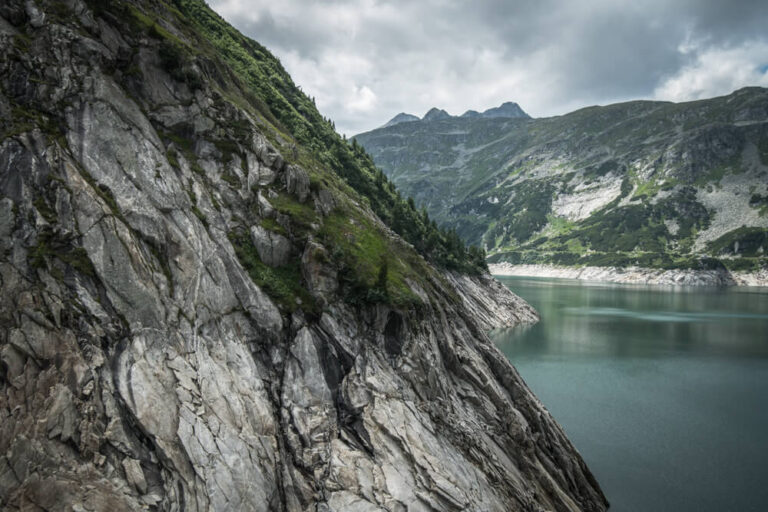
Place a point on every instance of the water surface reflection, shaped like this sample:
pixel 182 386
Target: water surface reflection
pixel 662 389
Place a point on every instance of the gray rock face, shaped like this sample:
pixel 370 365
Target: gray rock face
pixel 321 278
pixel 273 248
pixel 144 368
pixel 297 182
pixel 324 202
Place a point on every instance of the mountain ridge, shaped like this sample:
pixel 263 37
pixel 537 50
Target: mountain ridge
pixel 643 183
pixel 508 109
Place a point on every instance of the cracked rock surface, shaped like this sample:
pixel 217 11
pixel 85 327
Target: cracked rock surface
pixel 142 368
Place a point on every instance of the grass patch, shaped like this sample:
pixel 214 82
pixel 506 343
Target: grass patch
pixel 230 179
pixel 50 246
pixel 103 192
pixel 301 214
pixel 744 241
pixel 200 215
pixel 272 225
pixel 283 284
pixel 559 225
pixel 173 159
pixel 48 213
pixel 362 252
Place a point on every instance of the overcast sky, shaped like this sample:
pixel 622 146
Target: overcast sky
pixel 364 61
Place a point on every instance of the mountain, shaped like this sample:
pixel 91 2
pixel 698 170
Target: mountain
pixel 436 114
pixel 505 110
pixel 654 184
pixel 402 117
pixel 508 109
pixel 209 300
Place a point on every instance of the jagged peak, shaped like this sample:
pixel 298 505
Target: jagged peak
pixel 436 114
pixel 402 117
pixel 506 109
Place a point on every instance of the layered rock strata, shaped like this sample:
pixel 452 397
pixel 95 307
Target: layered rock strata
pixel 142 367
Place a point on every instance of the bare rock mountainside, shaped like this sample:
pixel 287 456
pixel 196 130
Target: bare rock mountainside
pixel 203 305
pixel 659 185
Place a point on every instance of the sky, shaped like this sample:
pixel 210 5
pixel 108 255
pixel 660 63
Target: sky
pixel 366 60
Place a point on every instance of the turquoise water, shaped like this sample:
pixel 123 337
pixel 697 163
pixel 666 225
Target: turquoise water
pixel 663 391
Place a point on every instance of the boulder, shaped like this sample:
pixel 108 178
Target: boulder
pixel 320 276
pixel 297 182
pixel 274 249
pixel 324 202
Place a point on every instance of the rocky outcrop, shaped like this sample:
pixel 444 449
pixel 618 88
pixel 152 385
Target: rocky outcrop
pixel 489 302
pixel 508 110
pixel 297 182
pixel 152 359
pixel 322 279
pixel 273 248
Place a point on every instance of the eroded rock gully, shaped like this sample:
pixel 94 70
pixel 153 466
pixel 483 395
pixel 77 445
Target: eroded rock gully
pixel 142 368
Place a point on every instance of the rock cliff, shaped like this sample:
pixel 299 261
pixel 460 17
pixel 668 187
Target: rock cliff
pixel 181 327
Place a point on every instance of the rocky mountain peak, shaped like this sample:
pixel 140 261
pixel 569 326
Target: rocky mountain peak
pixel 402 117
pixel 436 114
pixel 506 109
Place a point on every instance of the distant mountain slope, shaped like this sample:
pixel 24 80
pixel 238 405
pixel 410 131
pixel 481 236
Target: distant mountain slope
pixel 650 183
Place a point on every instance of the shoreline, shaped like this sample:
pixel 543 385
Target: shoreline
pixel 635 275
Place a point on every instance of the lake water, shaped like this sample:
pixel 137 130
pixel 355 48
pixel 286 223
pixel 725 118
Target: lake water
pixel 664 391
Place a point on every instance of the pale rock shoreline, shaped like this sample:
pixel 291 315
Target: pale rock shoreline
pixel 635 275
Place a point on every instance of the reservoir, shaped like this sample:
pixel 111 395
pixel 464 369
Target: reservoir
pixel 663 390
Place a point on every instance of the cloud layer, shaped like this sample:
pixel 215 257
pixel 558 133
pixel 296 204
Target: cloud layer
pixel 366 60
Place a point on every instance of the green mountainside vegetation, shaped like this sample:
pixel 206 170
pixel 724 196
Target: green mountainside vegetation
pixel 295 116
pixel 237 75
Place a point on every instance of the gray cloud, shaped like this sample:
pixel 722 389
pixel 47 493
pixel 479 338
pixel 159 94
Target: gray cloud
pixel 367 60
